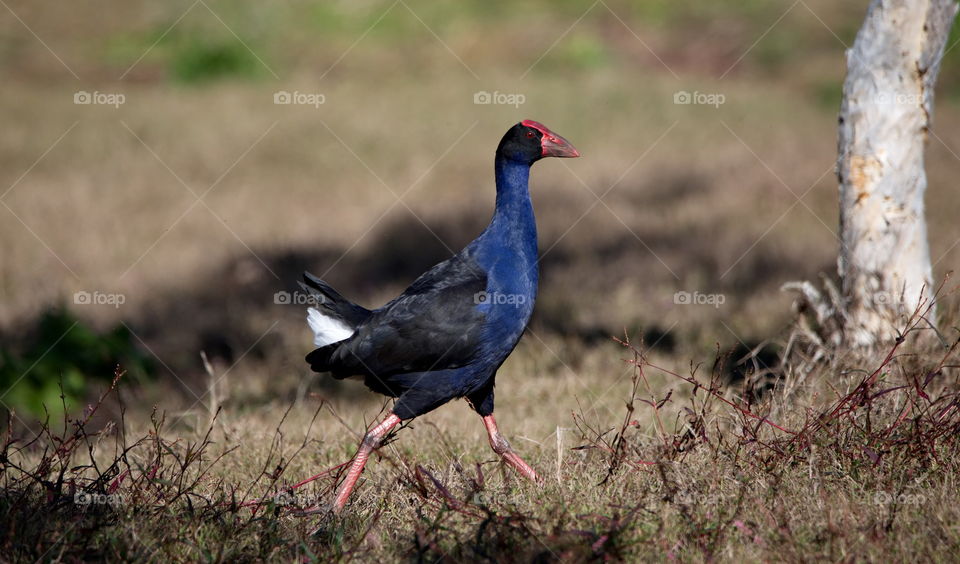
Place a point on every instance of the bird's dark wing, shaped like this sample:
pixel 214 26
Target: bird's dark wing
pixel 433 325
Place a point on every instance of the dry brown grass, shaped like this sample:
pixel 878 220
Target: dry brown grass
pixel 843 464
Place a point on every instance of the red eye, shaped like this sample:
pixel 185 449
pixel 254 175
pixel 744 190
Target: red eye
pixel 530 134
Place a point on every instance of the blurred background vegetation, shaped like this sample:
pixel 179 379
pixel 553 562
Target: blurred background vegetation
pixel 198 199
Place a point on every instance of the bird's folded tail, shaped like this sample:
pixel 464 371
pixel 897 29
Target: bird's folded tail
pixel 333 318
pixel 321 360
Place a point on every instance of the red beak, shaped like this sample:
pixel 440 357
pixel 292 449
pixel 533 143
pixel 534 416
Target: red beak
pixel 552 144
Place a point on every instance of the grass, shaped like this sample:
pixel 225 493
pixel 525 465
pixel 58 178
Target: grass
pixel 850 460
pixel 57 358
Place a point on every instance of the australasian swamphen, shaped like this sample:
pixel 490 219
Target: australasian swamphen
pixel 448 333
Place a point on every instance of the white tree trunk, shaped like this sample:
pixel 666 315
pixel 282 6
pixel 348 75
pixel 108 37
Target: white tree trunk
pixel 884 262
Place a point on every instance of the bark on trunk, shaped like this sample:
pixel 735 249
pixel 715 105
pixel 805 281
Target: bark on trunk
pixel 884 262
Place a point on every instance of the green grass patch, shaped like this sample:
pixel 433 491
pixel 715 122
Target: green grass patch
pixel 61 355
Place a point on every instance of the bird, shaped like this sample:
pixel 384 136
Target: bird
pixel 446 335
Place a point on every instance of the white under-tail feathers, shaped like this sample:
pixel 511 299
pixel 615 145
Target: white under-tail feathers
pixel 326 328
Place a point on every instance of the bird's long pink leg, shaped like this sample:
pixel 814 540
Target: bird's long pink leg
pixel 502 447
pixel 370 442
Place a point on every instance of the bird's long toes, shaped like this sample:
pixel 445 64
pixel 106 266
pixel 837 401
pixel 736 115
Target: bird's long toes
pixel 329 525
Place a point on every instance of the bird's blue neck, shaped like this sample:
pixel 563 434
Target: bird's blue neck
pixel 507 252
pixel 507 249
pixel 513 218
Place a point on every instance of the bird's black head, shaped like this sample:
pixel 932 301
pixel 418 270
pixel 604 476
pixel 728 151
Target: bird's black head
pixel 529 141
